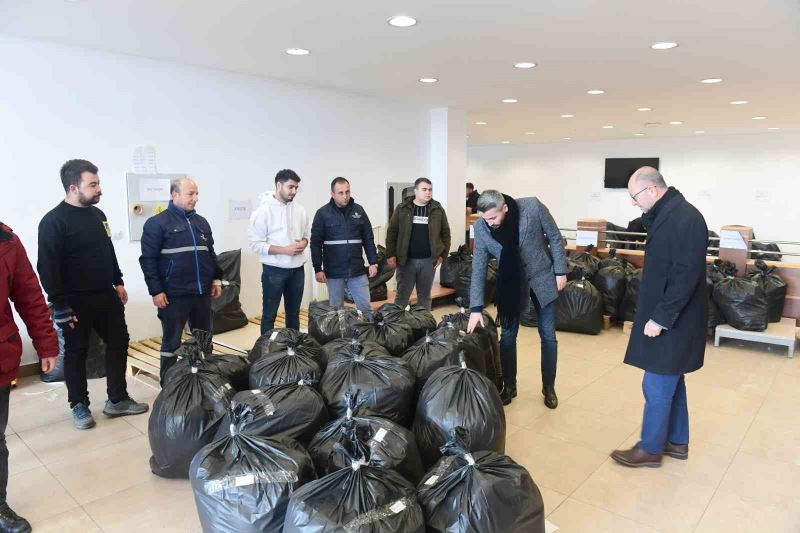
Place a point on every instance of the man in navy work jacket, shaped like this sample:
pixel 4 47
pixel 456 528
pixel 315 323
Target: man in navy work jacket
pixel 180 268
pixel 339 231
pixel 668 338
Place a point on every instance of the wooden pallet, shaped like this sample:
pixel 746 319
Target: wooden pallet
pixel 437 292
pixel 280 320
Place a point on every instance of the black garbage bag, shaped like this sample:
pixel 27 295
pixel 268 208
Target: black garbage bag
pixel 611 260
pixel 417 317
pixel 346 346
pixel 242 483
pixel 442 348
pixel 327 323
pixel 715 317
pixel 713 242
pixel 768 251
pixel 377 285
pixel 276 340
pixel 611 281
pixel 292 410
pixel 95 358
pixel 631 299
pixel 464 282
pixel 611 233
pixel 742 302
pixel 636 241
pixel 391 333
pixel 391 445
pixel 717 271
pixel 579 308
pixel 359 498
pixel 385 383
pixel 283 366
pixel 459 396
pixel 185 416
pixel 774 287
pixel 453 265
pixel 479 491
pixel 233 368
pixel 529 319
pixel 226 310
pixel 588 262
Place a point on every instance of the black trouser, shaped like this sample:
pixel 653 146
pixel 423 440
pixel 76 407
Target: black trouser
pixel 103 312
pixel 195 309
pixel 5 391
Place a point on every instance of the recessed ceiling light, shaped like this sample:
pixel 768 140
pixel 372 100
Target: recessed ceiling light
pixel 608 127
pixel 530 133
pixel 567 116
pixel 773 129
pixel 297 51
pixel 506 142
pixel 739 102
pixel 428 80
pixel 699 131
pixel 759 118
pixel 644 109
pixel 481 123
pixel 652 124
pixel 402 21
pixel 510 100
pixel 676 122
pixel 525 64
pixel 595 91
pixel 638 134
pixel 665 45
pixel 567 138
pixel 711 80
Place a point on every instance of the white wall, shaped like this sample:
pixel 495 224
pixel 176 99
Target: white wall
pixel 230 132
pixel 737 179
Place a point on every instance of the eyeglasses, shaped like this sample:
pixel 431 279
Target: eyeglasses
pixel 633 197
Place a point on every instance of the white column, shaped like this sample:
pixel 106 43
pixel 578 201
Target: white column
pixel 448 166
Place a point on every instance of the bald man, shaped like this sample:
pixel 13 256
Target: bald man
pixel 668 338
pixel 180 268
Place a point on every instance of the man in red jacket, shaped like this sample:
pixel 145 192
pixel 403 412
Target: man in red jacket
pixel 18 283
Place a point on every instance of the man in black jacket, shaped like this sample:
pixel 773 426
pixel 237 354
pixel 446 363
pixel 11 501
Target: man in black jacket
pixel 472 198
pixel 668 338
pixel 79 271
pixel 339 231
pixel 180 268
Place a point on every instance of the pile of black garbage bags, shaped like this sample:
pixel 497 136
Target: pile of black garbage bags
pixel 748 303
pixel 456 273
pixel 387 424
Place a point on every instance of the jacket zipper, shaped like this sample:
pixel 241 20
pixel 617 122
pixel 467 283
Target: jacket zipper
pixel 196 258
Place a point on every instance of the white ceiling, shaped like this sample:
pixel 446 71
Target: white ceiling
pixel 471 46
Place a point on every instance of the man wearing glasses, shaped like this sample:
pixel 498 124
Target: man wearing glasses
pixel 668 338
pixel 279 234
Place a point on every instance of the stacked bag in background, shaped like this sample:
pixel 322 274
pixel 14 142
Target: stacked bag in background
pixel 774 289
pixel 327 323
pixel 227 313
pixel 456 273
pixel 749 303
pixel 378 289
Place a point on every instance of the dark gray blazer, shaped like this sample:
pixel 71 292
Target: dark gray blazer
pixel 537 230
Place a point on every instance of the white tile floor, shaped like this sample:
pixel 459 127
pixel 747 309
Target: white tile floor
pixel 743 474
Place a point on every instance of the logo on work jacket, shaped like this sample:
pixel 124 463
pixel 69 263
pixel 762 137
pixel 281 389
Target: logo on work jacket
pixel 356 215
pixel 202 236
pixel 107 228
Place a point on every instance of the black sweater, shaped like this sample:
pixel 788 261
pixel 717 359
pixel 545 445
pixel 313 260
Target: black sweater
pixel 76 254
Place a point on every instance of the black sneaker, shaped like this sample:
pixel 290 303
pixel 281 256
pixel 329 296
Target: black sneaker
pixel 11 522
pixel 125 407
pixel 508 394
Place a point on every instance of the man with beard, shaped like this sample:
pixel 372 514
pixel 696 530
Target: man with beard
pixel 532 268
pixel 79 271
pixel 180 268
pixel 279 233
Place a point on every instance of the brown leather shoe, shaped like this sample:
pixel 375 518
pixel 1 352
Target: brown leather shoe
pixel 636 457
pixel 677 451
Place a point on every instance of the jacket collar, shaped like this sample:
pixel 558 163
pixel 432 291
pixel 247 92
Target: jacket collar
pixel 407 203
pixel 349 206
pixel 668 203
pixel 178 211
pixel 5 233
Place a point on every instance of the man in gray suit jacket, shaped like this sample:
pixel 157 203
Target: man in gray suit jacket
pixel 532 270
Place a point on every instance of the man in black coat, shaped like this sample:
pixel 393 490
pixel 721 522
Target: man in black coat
pixel 668 338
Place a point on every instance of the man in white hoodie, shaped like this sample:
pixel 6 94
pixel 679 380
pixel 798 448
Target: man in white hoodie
pixel 279 232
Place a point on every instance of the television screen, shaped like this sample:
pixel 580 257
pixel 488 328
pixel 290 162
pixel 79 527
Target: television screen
pixel 620 169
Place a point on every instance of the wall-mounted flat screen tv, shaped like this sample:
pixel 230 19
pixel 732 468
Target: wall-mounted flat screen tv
pixel 620 169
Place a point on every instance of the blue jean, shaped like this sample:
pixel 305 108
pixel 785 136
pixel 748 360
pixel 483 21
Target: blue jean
pixel 359 288
pixel 279 282
pixel 547 333
pixel 666 415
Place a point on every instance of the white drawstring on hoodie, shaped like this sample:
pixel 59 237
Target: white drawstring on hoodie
pixel 274 223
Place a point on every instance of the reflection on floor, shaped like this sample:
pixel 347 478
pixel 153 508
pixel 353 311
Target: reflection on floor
pixel 742 475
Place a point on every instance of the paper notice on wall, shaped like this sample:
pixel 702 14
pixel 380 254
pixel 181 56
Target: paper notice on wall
pixel 595 196
pixel 762 195
pixel 239 209
pixel 731 239
pixel 144 160
pixel 154 190
pixel 585 238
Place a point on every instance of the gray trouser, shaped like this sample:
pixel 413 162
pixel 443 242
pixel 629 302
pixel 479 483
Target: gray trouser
pixel 417 272
pixel 359 290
